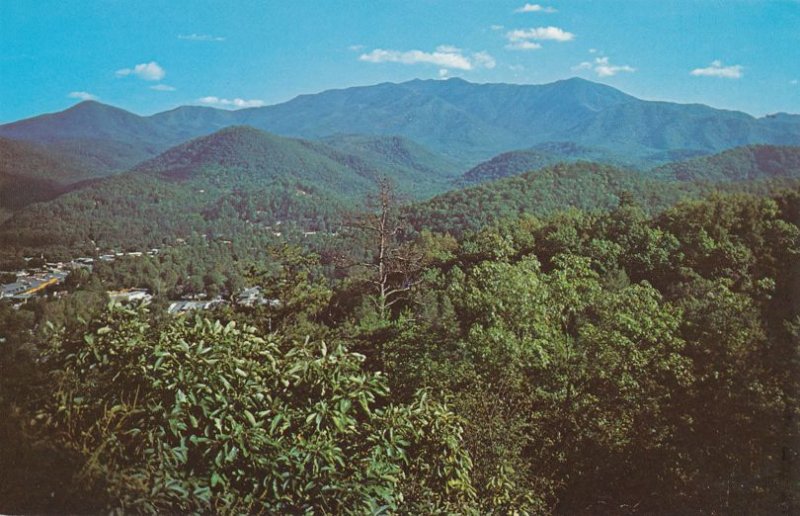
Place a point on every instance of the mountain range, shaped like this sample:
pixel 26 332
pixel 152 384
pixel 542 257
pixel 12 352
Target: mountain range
pixel 241 179
pixel 114 177
pixel 239 174
pixel 465 122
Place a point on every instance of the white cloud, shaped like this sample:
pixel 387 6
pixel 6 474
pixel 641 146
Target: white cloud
pixel 445 59
pixel 445 56
pixel 496 27
pixel 535 8
pixel 540 33
pixel 83 95
pixel 448 49
pixel 151 71
pixel 592 50
pixel 603 67
pixel 718 70
pixel 200 37
pixel 355 48
pixel 162 87
pixel 483 60
pixel 443 72
pixel 793 81
pixel 235 103
pixel 523 45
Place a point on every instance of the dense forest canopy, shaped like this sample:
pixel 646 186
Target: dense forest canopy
pixel 581 362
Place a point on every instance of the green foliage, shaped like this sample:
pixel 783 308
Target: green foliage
pixel 587 388
pixel 200 416
pixel 610 361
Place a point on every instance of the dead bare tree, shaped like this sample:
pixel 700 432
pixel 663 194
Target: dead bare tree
pixel 393 265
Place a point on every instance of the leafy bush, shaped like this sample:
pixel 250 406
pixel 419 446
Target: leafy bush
pixel 200 416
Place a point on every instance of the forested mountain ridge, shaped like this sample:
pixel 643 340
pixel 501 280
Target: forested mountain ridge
pixel 579 185
pixel 39 161
pixel 397 152
pixel 241 156
pixel 467 122
pixel 88 119
pixel 739 164
pixel 237 155
pixel 485 119
pixel 219 184
pixel 519 161
pixel 30 172
pixel 104 137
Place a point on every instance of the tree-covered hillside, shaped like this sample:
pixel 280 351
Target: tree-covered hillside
pixel 244 157
pixel 582 185
pixel 740 164
pixel 405 161
pixel 218 184
pixel 516 162
pixel 32 172
pixel 41 162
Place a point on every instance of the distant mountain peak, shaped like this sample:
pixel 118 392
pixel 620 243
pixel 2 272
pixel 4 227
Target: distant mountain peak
pixel 87 103
pixel 93 106
pixel 578 80
pixel 579 84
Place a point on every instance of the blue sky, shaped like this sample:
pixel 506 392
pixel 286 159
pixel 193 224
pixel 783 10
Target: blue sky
pixel 148 56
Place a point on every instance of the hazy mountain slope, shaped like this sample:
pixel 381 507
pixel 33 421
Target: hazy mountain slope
pixel 30 160
pixel 242 157
pixel 220 184
pixel 104 138
pixel 467 122
pixel 536 112
pixel 386 110
pixel 402 159
pixel 30 172
pixel 19 191
pixel 743 163
pixel 186 122
pixel 87 120
pixel 584 185
pixel 542 155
